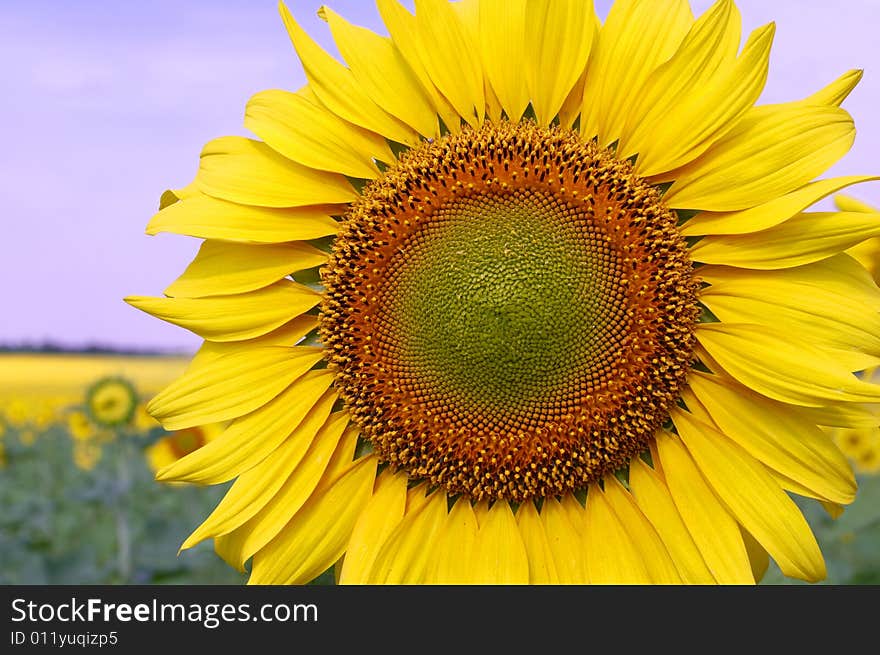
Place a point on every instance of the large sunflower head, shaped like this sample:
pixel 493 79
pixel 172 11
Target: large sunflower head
pixel 513 295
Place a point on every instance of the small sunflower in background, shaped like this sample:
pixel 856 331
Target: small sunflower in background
pixel 87 454
pixel 572 323
pixel 180 443
pixel 80 426
pixel 111 402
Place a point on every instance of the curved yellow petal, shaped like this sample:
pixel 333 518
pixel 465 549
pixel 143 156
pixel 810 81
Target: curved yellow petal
pixel 336 87
pixel 565 540
pixel 381 514
pixel 211 218
pixel 777 435
pixel 781 366
pixel 714 530
pixel 502 33
pixel 249 172
pixel 499 554
pixel 835 93
pixel 310 134
pixel 224 267
pixel 231 386
pixel 288 334
pixel 404 32
pixel 383 74
pixel 773 150
pixel 697 96
pixel 450 57
pixel 659 565
pixel 559 36
pixel 316 536
pixel 329 456
pixel 772 212
pixel 848 204
pixel 759 558
pixel 613 556
pixel 452 555
pixel 655 502
pixel 754 498
pixel 542 568
pixel 233 318
pixel 404 557
pixel 306 402
pixel 635 40
pixel 813 301
pixel 305 454
pixel 803 239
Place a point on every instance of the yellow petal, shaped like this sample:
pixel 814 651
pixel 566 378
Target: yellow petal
pixel 336 87
pixel 759 558
pixel 698 95
pixel 542 569
pixel 781 366
pixel 450 57
pixel 655 501
pixel 382 73
pixel 251 173
pixel 403 558
pixel 452 555
pixel 311 477
pixel 233 318
pixel 288 334
pixel 714 530
pixel 250 439
pixel 502 33
pixel 770 213
pixel 832 301
pixel 754 498
pixel 848 204
pixel 637 37
pixel 210 218
pixel 468 12
pixel 499 554
pixel 777 435
pixel 231 386
pixel 772 151
pixel 316 536
pixel 613 557
pixel 559 36
pixel 660 567
pixel 564 538
pixel 304 454
pixel 835 93
pixel 223 267
pixel 381 514
pixel 403 28
pixel 803 239
pixel 310 134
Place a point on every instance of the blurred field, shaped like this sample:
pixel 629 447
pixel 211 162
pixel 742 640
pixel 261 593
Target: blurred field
pixel 81 506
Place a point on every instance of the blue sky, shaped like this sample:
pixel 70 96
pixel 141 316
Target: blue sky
pixel 108 104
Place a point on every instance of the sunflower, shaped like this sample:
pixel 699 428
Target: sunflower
pixel 181 443
pixel 87 454
pixel 80 426
pixel 111 402
pixel 513 296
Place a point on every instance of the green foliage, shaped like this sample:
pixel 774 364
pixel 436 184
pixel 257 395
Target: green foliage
pixel 112 525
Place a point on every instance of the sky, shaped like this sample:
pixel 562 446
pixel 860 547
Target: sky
pixel 105 105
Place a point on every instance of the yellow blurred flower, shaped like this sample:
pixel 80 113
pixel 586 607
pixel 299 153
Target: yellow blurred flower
pixel 79 426
pixel 111 402
pixel 27 437
pixel 86 455
pixel 180 443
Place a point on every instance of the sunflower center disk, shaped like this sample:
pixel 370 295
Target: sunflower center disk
pixel 509 312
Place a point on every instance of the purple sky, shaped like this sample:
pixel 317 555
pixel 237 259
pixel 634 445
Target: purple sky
pixel 108 104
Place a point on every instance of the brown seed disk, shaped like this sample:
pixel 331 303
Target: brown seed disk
pixel 509 312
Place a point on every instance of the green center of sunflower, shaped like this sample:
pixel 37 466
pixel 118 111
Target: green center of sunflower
pixel 509 312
